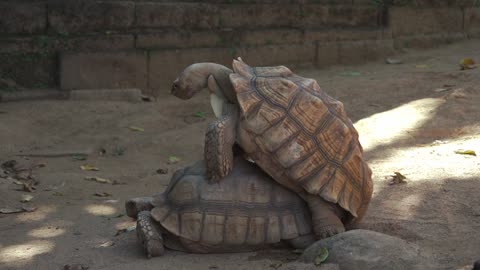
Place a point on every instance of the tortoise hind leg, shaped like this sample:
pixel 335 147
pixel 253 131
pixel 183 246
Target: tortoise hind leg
pixel 326 217
pixel 219 142
pixel 149 235
pixel 302 242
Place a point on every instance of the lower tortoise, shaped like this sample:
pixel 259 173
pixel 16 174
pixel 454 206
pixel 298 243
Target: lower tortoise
pixel 246 211
pixel 292 129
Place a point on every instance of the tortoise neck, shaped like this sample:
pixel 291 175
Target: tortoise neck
pixel 222 77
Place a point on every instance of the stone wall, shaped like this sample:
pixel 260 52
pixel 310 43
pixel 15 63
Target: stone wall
pixel 118 44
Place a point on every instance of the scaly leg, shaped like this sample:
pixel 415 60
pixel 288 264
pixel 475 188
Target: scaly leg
pixel 302 242
pixel 149 235
pixel 326 217
pixel 219 142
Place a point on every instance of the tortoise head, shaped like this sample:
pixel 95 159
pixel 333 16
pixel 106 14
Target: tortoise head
pixel 191 81
pixel 194 79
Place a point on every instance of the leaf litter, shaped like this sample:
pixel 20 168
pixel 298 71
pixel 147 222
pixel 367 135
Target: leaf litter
pixel 102 194
pixel 136 129
pixel 88 167
pixel 21 175
pixel 26 198
pixel 321 257
pixel 173 159
pixel 467 63
pixel 103 180
pixel 396 178
pixel 199 114
pixel 15 210
pixel 466 152
pixel 107 244
pixel 125 230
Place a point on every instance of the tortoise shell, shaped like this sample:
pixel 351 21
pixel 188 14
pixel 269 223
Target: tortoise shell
pixel 301 136
pixel 246 208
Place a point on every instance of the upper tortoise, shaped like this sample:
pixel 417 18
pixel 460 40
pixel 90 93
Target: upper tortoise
pixel 291 129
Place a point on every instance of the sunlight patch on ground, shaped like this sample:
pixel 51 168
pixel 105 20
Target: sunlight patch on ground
pixel 100 210
pixel 46 232
pixel 393 125
pixel 435 161
pixel 125 224
pixel 26 251
pixel 40 214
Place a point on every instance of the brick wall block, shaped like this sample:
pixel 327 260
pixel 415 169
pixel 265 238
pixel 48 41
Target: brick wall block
pixel 406 21
pixel 89 16
pixel 24 18
pixel 103 70
pixel 178 15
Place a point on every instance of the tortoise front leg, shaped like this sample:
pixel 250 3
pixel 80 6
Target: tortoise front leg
pixel 149 235
pixel 219 142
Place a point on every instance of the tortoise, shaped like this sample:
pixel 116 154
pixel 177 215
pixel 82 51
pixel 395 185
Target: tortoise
pixel 246 211
pixel 292 129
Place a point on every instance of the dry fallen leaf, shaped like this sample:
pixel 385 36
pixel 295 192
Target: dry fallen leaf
pixel 10 210
pixel 466 152
pixel 397 178
pixel 87 167
pixel 102 194
pixel 134 128
pixel 393 61
pixel 321 256
pixel 467 63
pixel 26 198
pixel 79 157
pixel 422 66
pixel 438 90
pixel 173 159
pixel 107 244
pixel 351 73
pixel 129 229
pixel 99 180
pixel 29 186
pixel 199 114
pixel 16 182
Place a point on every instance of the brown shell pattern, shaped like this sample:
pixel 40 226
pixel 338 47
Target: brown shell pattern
pixel 245 208
pixel 303 137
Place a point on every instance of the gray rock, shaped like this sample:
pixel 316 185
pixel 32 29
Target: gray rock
pixel 368 250
pixel 309 266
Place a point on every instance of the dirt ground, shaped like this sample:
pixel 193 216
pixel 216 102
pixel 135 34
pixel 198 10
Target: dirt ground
pixel 411 118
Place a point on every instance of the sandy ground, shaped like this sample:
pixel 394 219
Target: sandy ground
pixel 405 125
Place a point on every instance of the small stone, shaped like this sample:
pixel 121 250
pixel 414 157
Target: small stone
pixel 309 266
pixel 76 266
pixel 162 171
